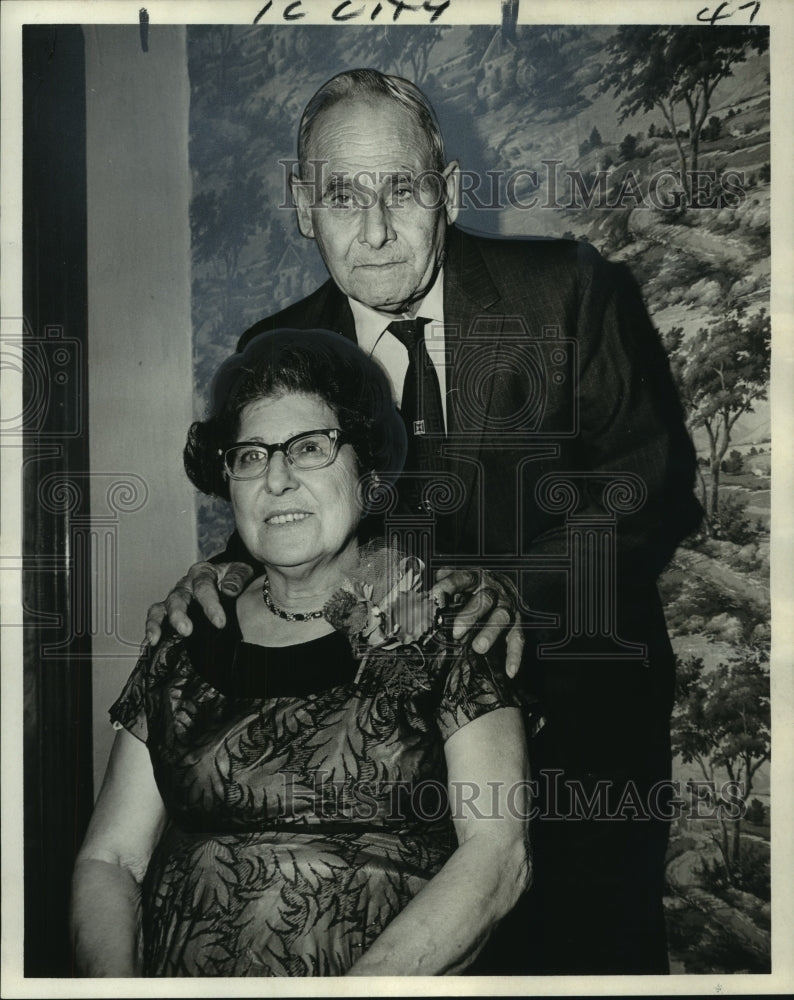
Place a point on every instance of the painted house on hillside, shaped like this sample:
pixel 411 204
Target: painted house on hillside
pixel 497 69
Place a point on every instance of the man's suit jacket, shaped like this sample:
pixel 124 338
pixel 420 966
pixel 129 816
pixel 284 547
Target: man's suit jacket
pixel 559 404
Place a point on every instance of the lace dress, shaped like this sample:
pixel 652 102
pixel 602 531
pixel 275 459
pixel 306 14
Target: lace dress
pixel 306 793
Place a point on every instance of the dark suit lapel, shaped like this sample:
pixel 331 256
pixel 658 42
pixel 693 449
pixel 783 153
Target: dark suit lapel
pixel 469 295
pixel 336 314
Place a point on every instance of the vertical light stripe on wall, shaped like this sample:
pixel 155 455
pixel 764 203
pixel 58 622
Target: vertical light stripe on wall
pixel 143 526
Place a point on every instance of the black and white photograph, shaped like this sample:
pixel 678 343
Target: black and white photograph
pixel 396 535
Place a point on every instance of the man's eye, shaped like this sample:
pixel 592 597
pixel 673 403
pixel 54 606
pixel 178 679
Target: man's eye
pixel 341 200
pixel 402 193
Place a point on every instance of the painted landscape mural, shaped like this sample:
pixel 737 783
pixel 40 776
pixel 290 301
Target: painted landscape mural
pixel 598 132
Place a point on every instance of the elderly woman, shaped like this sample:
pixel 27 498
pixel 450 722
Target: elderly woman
pixel 274 801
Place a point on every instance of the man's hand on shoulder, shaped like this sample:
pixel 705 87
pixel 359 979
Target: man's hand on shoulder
pixel 202 583
pixel 492 605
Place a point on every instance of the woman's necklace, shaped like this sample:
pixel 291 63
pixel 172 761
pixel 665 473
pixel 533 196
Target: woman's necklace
pixel 288 616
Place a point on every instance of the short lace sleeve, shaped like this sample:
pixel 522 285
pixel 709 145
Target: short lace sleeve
pixel 473 687
pixel 129 710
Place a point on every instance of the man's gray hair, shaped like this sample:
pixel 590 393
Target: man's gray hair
pixel 372 83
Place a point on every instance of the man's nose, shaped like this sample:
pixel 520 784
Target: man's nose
pixel 376 228
pixel 279 475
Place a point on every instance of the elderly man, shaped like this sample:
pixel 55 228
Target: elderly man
pixel 535 392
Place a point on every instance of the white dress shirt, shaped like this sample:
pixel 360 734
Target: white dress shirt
pixel 374 338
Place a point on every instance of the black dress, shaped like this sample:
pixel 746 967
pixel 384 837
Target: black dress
pixel 305 789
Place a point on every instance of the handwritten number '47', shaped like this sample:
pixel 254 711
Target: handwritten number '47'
pixel 718 15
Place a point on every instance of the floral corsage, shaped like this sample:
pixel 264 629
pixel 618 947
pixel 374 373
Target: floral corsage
pixel 397 629
pixel 384 606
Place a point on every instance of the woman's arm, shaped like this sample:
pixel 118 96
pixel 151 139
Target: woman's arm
pixel 445 926
pixel 127 821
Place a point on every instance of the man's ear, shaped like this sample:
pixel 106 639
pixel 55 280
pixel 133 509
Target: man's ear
pixel 303 196
pixel 451 178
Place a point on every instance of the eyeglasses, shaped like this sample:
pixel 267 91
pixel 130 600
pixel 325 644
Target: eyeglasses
pixel 310 450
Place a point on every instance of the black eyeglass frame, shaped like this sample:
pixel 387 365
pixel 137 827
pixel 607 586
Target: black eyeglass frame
pixel 336 436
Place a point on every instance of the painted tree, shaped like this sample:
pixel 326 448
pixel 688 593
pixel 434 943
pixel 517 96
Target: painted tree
pixel 404 51
pixel 721 722
pixel 721 372
pixel 222 221
pixel 676 69
pixel 549 60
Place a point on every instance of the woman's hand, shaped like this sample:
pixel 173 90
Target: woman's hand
pixel 202 583
pixel 493 605
pixel 445 926
pixel 126 824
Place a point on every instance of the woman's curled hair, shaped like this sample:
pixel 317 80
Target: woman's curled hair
pixel 313 362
